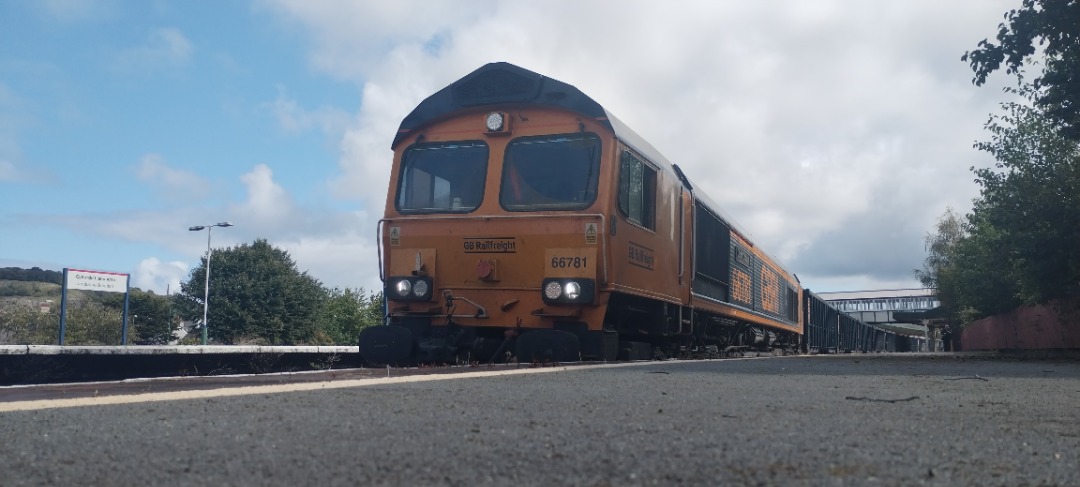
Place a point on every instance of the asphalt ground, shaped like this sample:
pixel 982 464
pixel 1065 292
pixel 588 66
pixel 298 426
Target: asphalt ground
pixel 929 419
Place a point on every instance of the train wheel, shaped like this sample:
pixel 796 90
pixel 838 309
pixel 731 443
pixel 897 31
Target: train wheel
pixel 632 351
pixel 611 347
pixel 386 345
pixel 548 346
pixel 602 346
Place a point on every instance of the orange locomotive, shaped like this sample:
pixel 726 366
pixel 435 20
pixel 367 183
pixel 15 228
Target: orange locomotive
pixel 525 222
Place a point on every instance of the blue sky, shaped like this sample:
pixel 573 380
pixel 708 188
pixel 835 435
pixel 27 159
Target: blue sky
pixel 122 123
pixel 126 123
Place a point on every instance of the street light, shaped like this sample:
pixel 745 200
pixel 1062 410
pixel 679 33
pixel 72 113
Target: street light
pixel 206 288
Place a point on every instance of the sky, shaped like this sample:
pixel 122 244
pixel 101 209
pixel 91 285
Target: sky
pixel 835 132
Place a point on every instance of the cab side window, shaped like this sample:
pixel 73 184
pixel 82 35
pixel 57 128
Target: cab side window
pixel 637 191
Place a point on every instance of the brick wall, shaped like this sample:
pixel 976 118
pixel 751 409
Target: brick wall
pixel 1031 328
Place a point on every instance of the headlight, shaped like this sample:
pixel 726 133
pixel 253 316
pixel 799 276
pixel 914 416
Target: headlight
pixel 572 290
pixel 569 291
pixel 409 288
pixel 403 287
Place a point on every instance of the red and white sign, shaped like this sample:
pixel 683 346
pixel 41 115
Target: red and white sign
pixel 110 282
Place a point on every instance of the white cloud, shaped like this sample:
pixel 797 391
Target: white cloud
pixel 161 277
pixel 296 119
pixel 11 172
pixel 164 48
pixel 174 184
pixel 345 260
pixel 351 38
pixel 333 246
pixel 857 282
pixel 330 246
pixel 266 200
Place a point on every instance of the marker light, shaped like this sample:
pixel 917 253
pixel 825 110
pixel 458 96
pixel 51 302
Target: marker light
pixel 553 290
pixel 420 289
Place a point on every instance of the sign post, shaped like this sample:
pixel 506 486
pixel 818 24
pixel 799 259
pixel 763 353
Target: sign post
pixel 84 280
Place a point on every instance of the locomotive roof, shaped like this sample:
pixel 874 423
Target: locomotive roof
pixel 503 83
pixel 497 83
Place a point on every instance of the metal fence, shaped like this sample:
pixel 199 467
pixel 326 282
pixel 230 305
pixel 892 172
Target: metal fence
pixel 829 330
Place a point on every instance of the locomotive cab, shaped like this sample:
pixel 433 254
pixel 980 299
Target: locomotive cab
pixel 489 237
pixel 492 245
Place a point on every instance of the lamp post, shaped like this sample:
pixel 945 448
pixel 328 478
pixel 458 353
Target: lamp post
pixel 206 288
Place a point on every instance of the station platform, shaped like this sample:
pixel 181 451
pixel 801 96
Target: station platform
pixel 167 349
pixel 42 364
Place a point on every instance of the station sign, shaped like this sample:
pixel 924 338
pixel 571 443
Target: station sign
pixel 84 280
pixel 103 281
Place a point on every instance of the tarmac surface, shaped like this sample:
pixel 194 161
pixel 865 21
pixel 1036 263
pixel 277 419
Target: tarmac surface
pixel 897 419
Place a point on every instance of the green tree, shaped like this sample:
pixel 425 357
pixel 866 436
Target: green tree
pixel 35 274
pixel 93 318
pixel 150 312
pixel 20 325
pixel 964 268
pixel 88 323
pixel 91 323
pixel 939 268
pixel 1054 25
pixel 1019 243
pixel 346 312
pixel 256 296
pixel 981 280
pixel 1029 203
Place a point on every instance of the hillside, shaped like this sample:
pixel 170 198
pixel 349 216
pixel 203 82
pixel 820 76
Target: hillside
pixel 30 294
pixel 29 289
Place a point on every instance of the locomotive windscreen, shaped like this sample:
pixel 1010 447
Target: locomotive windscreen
pixel 550 173
pixel 442 177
